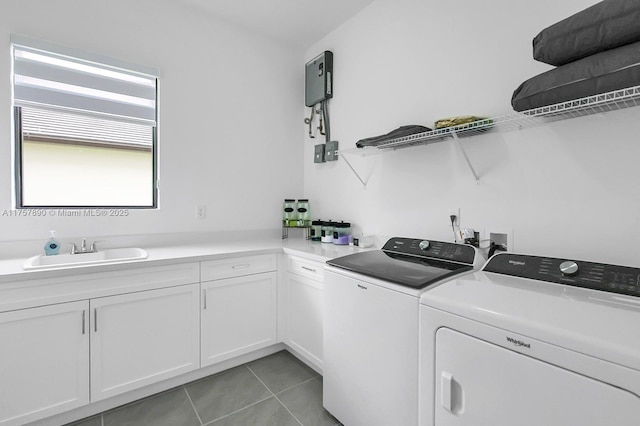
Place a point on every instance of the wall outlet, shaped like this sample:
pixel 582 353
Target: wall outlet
pixel 201 211
pixel 456 213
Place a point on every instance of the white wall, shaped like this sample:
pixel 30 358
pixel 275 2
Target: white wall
pixel 569 189
pixel 229 107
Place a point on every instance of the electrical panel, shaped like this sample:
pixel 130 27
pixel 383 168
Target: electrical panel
pixel 319 79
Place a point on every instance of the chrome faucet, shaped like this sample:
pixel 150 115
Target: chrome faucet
pixel 83 248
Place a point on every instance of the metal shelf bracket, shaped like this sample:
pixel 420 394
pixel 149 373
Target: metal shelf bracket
pixel 368 166
pixel 456 141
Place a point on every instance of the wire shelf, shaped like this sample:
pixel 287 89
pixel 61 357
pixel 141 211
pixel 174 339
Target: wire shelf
pixel 605 102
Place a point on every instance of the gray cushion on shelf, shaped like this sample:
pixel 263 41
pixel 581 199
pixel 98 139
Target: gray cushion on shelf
pixel 603 26
pixel 610 70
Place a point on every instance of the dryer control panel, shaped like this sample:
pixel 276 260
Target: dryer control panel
pixel 597 276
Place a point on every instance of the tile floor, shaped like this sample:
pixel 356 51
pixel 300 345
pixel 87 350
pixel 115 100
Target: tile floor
pixel 276 390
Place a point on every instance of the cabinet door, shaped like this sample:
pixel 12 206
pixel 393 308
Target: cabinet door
pixel 44 361
pixel 304 316
pixel 142 338
pixel 238 316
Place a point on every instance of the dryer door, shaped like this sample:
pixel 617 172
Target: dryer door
pixel 479 383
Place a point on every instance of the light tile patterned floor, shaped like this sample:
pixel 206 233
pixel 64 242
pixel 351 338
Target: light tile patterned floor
pixel 277 390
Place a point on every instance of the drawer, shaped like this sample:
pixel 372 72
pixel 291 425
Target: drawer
pixel 306 268
pixel 237 266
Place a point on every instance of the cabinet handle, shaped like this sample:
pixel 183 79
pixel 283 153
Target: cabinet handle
pixel 204 297
pixel 84 315
pixel 308 269
pixel 95 319
pixel 243 266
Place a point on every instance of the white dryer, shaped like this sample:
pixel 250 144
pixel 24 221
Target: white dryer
pixel 532 341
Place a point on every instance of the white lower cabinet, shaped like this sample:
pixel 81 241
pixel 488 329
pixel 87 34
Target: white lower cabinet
pixel 44 361
pixel 150 325
pixel 304 308
pixel 238 316
pixel 142 338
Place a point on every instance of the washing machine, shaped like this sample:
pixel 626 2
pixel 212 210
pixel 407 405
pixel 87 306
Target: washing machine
pixel 372 299
pixel 532 341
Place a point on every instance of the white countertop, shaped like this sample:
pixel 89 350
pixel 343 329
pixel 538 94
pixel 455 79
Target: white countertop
pixel 11 270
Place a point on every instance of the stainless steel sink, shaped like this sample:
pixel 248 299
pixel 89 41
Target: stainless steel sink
pixel 70 260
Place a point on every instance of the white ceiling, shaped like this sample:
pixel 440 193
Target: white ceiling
pixel 296 22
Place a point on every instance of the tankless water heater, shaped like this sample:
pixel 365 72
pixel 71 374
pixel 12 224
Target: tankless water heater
pixel 319 79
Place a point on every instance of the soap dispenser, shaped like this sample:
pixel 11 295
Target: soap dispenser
pixel 53 245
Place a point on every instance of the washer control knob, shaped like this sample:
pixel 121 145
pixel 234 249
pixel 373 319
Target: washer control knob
pixel 569 268
pixel 424 245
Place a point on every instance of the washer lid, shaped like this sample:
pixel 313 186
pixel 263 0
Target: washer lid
pixel 411 271
pixel 601 324
pixel 412 262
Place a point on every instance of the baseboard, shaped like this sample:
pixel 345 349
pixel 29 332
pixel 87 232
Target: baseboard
pixel 134 395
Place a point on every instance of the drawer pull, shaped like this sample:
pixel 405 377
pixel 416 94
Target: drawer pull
pixel 243 266
pixel 308 269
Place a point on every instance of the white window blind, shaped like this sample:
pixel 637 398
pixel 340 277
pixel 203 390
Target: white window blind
pixel 55 77
pixel 52 125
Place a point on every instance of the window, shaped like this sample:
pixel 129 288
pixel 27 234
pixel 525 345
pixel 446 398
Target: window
pixel 85 129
